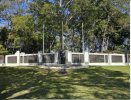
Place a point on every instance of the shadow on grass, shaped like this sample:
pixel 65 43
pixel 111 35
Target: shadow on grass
pixel 113 84
pixel 29 83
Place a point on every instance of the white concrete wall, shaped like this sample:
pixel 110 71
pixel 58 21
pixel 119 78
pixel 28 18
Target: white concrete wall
pixel 110 63
pixel 68 59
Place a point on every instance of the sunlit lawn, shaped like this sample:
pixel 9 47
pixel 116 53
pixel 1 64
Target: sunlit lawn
pixel 85 83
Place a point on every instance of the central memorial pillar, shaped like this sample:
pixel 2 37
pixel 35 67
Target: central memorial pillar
pixel 61 57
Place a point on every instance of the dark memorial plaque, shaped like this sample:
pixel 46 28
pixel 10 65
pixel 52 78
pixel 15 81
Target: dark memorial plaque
pixel 97 58
pixel 77 58
pixel 81 59
pixel 117 59
pixel 30 59
pixel 12 59
pixel 21 59
pixel 48 58
pixel 2 59
pixel 106 58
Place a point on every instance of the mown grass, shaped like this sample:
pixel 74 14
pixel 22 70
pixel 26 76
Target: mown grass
pixel 124 69
pixel 85 83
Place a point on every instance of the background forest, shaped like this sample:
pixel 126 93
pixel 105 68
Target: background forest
pixel 103 25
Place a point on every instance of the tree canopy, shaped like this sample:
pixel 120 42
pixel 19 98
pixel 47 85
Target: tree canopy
pixel 105 25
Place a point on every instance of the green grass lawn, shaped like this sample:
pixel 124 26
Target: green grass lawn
pixel 86 83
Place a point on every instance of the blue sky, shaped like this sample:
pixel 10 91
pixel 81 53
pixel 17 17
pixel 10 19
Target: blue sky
pixel 23 6
pixel 3 22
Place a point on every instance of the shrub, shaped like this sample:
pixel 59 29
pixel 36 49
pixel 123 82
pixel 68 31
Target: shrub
pixel 3 51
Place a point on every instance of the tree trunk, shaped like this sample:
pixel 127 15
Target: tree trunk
pixel 72 47
pixel 82 40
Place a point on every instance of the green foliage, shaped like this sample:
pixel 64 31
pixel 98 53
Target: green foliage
pixel 119 49
pixel 22 23
pixel 21 35
pixel 3 35
pixel 37 36
pixel 3 51
pixel 106 22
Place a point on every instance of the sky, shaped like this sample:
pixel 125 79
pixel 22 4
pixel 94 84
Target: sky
pixel 3 23
pixel 23 6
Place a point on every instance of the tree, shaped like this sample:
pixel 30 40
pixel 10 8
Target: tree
pixel 3 51
pixel 21 34
pixel 3 36
pixel 105 24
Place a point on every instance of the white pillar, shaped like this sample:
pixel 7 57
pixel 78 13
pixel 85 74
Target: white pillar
pixel 109 59
pixel 86 58
pixel 123 59
pixel 39 57
pixel 6 61
pixel 56 57
pixel 18 57
pixel 68 57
